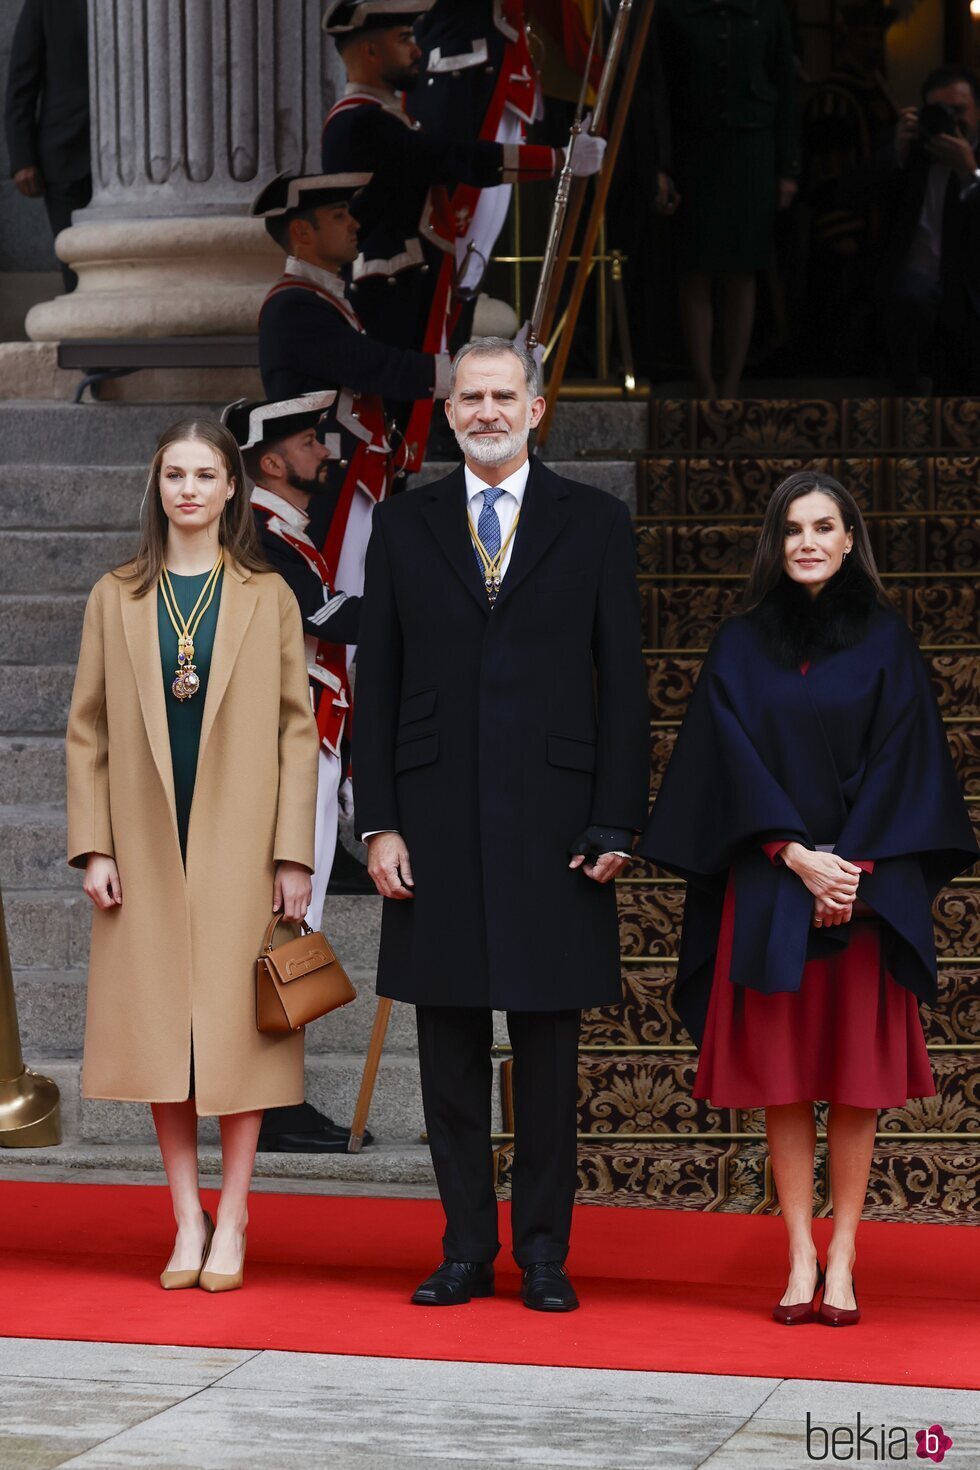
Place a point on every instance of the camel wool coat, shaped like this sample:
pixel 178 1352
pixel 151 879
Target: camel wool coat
pixel 176 960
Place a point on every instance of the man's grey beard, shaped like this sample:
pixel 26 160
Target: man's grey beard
pixel 493 450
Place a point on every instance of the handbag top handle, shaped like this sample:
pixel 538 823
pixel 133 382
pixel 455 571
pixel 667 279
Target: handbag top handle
pixel 274 923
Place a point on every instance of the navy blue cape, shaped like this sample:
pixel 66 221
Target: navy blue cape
pixel 854 754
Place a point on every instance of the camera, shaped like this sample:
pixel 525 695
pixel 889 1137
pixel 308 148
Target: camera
pixel 936 118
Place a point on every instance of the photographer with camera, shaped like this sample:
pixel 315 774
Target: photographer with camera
pixel 930 278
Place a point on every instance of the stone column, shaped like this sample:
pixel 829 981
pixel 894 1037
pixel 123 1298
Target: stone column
pixel 195 105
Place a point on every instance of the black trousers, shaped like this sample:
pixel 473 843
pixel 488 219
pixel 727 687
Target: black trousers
pixel 918 340
pixel 457 1075
pixel 61 201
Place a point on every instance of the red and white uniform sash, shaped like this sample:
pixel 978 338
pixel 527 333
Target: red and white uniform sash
pixel 371 466
pixel 326 663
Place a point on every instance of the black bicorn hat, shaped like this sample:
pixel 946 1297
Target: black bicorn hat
pixel 344 16
pixel 288 192
pixel 256 424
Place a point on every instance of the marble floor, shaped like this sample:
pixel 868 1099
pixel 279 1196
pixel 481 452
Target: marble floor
pixel 109 1406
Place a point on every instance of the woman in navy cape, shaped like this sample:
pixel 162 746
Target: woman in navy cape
pixel 812 806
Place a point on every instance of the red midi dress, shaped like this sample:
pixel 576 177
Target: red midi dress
pixel 851 1034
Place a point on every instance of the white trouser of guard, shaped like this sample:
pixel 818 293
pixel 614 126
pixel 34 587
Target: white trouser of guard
pixel 489 217
pixel 325 840
pixel 350 563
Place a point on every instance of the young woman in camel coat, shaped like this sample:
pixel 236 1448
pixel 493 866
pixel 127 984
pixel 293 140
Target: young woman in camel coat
pixel 184 888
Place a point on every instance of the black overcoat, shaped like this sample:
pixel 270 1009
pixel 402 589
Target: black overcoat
pixel 491 739
pixel 904 191
pixel 47 104
pixel 852 754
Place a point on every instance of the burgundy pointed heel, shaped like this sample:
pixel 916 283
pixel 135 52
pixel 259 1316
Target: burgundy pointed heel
pixel 794 1314
pixel 841 1316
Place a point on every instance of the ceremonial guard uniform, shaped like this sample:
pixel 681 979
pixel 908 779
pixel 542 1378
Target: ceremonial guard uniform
pixel 404 275
pixel 479 81
pixel 311 339
pixel 330 617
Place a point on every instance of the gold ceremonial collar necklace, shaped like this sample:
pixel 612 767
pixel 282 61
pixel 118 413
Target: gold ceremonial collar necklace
pixel 187 681
pixel 491 564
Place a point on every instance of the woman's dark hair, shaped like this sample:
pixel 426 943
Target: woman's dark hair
pixel 768 565
pixel 236 528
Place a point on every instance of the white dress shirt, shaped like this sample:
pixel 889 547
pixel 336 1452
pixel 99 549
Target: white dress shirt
pixel 507 507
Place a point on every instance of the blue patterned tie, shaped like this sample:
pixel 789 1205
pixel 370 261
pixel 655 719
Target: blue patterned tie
pixel 488 527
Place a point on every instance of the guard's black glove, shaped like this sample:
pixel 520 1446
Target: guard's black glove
pixel 594 841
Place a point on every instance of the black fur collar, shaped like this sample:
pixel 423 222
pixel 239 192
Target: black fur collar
pixel 797 627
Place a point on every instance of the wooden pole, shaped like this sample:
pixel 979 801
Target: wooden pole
pixel 585 263
pixel 553 271
pixel 573 213
pixel 371 1063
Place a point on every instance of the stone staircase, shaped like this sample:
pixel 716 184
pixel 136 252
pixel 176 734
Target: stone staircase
pixel 71 480
pixel 704 481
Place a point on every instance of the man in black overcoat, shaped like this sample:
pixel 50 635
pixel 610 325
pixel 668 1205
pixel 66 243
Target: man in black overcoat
pixel 929 278
pixel 47 110
pixel 502 750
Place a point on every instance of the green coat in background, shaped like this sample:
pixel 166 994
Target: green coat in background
pixel 734 120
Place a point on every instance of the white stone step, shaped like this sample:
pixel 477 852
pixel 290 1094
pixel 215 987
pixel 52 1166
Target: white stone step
pixel 592 426
pixel 41 628
pixel 62 497
pixel 48 933
pixel 36 432
pixel 32 769
pixel 35 699
pixel 333 1080
pixel 394 1164
pixel 33 848
pixel 66 561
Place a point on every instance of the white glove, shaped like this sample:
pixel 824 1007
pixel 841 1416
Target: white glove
pixel 536 352
pixel 587 151
pixel 345 798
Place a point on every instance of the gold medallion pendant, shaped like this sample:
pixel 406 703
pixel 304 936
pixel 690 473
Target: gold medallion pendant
pixel 187 681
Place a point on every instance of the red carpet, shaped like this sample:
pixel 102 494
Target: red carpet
pixel 661 1290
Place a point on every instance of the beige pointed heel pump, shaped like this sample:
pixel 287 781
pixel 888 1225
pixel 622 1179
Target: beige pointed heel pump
pixel 182 1280
pixel 223 1281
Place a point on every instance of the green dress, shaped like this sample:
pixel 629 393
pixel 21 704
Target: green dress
pixel 185 717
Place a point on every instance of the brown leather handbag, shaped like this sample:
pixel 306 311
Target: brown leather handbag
pixel 297 982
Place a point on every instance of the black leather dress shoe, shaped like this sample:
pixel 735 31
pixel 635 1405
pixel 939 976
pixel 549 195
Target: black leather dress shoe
pixel 546 1288
pixel 454 1283
pixel 303 1130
